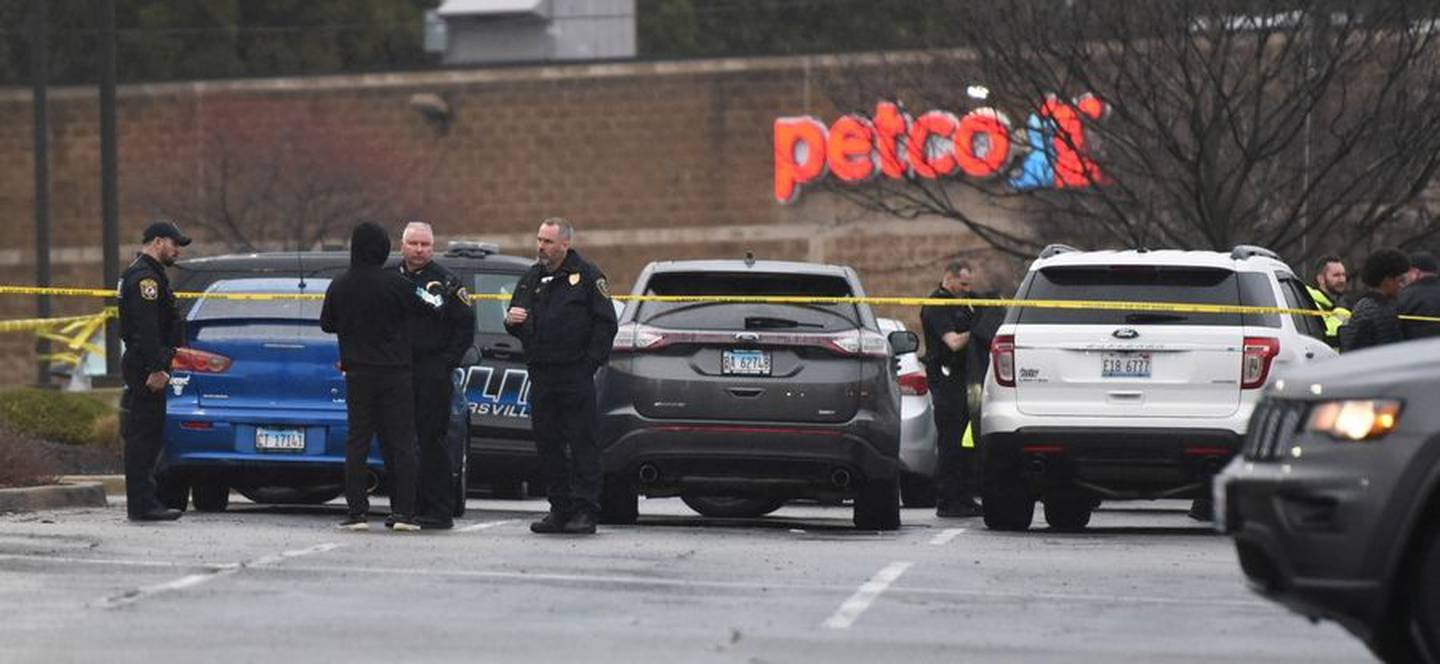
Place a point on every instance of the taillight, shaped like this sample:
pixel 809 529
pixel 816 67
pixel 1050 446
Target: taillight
pixel 863 343
pixel 914 384
pixel 637 338
pixel 1002 354
pixel 1255 359
pixel 199 361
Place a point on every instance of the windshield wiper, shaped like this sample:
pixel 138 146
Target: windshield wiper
pixel 772 323
pixel 1154 318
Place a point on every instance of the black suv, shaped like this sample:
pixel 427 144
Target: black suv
pixel 738 407
pixel 1335 501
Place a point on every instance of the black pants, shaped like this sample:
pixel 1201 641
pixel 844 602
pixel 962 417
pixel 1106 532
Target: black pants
pixel 142 426
pixel 562 415
pixel 435 494
pixel 954 472
pixel 380 402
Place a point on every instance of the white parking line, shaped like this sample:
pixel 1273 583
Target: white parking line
pixel 943 537
pixel 851 609
pixel 281 557
pixel 485 524
pixel 191 580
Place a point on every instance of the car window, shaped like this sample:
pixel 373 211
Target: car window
pixel 1144 283
pixel 206 309
pixel 1296 297
pixel 727 316
pixel 490 314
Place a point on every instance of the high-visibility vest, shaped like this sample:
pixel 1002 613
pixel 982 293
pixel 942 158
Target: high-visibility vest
pixel 1335 316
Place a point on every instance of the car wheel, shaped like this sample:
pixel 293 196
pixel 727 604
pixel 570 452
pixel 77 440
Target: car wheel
pixel 172 489
pixel 1007 501
pixel 461 483
pixel 211 496
pixel 877 506
pixel 1067 510
pixel 619 503
pixel 917 490
pixel 1425 603
pixel 733 507
pixel 287 495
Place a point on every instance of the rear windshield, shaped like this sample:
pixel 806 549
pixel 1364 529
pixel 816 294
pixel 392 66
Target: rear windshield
pixel 213 309
pixel 1145 283
pixel 726 316
pixel 490 314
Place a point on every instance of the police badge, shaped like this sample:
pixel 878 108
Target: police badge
pixel 574 278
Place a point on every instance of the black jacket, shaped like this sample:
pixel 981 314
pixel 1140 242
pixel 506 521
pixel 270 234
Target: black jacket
pixel 441 341
pixel 1373 322
pixel 945 368
pixel 1421 298
pixel 149 323
pixel 571 318
pixel 370 308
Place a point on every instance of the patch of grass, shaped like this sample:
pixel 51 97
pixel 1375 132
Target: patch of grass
pixel 24 461
pixel 60 417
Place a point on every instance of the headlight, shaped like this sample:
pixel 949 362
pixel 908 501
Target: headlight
pixel 1362 419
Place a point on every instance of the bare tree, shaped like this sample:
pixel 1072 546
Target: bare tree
pixel 1307 126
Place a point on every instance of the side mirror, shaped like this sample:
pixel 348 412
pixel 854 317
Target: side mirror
pixel 903 341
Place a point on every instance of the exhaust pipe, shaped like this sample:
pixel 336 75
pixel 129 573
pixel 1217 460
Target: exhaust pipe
pixel 840 478
pixel 649 473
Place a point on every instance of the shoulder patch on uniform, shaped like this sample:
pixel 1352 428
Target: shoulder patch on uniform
pixel 603 286
pixel 463 294
pixel 149 289
pixel 574 278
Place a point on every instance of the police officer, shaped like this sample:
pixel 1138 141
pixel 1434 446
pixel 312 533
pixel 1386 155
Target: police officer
pixel 561 311
pixel 440 343
pixel 947 335
pixel 1327 291
pixel 151 329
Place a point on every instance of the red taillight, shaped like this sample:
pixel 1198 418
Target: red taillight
pixel 199 361
pixel 196 426
pixel 1002 355
pixel 1255 360
pixel 914 384
pixel 637 338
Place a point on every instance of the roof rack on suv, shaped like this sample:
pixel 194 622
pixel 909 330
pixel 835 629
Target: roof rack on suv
pixel 1056 250
pixel 472 249
pixel 1244 251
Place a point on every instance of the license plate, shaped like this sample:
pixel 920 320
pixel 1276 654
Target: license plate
pixel 273 439
pixel 1125 365
pixel 745 363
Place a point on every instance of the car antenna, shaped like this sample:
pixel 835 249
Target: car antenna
pixel 300 263
pixel 749 259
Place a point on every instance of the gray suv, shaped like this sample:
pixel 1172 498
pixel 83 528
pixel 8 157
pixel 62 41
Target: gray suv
pixel 738 407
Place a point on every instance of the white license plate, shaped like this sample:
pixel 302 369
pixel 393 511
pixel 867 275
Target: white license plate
pixel 1125 365
pixel 745 363
pixel 273 439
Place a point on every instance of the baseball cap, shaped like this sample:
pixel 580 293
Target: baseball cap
pixel 165 229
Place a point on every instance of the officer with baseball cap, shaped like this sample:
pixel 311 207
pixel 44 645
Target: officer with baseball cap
pixel 151 328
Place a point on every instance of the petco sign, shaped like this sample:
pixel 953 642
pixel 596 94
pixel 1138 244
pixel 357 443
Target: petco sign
pixel 981 144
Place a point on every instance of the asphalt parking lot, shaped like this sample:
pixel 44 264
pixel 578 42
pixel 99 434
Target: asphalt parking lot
pixel 257 583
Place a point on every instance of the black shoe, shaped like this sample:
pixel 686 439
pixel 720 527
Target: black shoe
pixel 552 523
pixel 1202 510
pixel 158 514
pixel 583 523
pixel 963 510
pixel 434 523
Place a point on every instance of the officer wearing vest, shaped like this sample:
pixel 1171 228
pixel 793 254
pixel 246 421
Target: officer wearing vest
pixel 151 328
pixel 561 311
pixel 440 343
pixel 1330 285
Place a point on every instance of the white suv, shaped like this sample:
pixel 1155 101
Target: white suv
pixel 1084 405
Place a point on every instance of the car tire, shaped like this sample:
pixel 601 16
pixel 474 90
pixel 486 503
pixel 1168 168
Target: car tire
pixel 1425 602
pixel 732 507
pixel 1007 501
pixel 619 502
pixel 172 490
pixel 877 505
pixel 285 495
pixel 1068 510
pixel 210 496
pixel 917 490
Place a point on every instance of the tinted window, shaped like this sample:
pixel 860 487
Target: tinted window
pixel 225 332
pixel 490 314
pixel 206 309
pixel 1296 297
pixel 1145 283
pixel 726 316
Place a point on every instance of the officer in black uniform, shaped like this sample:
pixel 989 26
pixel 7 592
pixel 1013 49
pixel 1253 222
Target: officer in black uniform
pixel 561 311
pixel 947 335
pixel 151 329
pixel 440 343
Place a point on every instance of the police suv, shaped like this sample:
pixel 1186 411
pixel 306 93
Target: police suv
pixel 1085 405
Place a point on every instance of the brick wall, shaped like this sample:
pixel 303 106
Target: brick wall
pixel 650 160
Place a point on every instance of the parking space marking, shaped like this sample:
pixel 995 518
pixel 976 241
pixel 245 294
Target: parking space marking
pixel 485 524
pixel 281 557
pixel 943 537
pixel 191 580
pixel 850 609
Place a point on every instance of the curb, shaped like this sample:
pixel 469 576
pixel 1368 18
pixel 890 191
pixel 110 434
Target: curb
pixel 114 484
pixel 54 496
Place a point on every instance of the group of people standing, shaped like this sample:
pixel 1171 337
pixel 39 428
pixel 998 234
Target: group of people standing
pixel 1400 291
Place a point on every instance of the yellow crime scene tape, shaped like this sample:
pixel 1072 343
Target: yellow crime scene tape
pixel 1101 305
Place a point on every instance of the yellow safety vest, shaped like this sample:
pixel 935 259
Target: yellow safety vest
pixel 1335 315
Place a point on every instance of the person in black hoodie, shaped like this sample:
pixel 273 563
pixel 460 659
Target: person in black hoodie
pixel 1375 321
pixel 371 309
pixel 1421 297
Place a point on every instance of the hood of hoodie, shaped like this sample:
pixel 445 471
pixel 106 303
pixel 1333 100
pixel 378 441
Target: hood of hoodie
pixel 369 245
